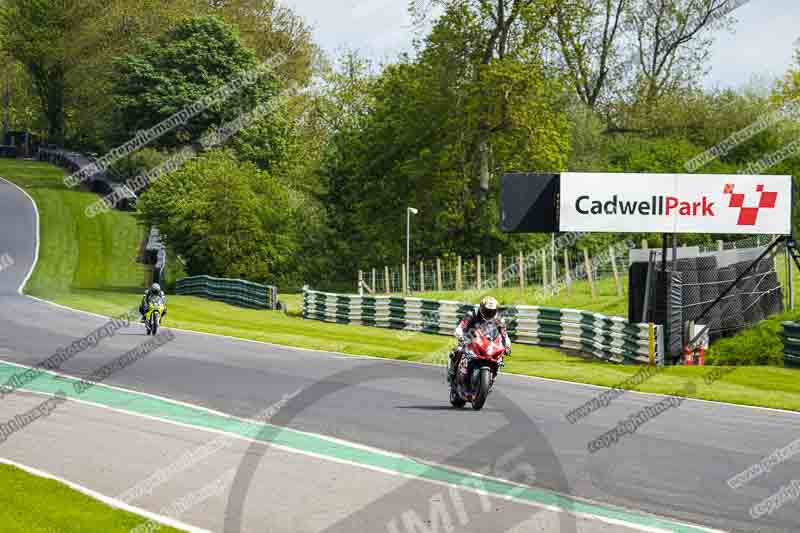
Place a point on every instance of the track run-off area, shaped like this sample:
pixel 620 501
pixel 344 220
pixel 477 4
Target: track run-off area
pixel 231 435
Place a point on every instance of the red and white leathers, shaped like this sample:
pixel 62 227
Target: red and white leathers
pixel 468 324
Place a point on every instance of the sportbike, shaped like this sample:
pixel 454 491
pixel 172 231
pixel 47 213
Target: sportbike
pixel 482 356
pixel 152 317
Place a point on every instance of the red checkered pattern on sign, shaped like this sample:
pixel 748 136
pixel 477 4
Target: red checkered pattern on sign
pixel 749 215
pixel 768 199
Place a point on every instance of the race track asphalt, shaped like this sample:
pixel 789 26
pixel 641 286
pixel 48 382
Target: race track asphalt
pixel 674 466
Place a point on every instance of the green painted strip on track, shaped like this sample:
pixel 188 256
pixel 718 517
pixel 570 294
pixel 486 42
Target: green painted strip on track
pixel 137 403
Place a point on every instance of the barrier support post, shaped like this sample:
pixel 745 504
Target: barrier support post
pixel 567 275
pixel 544 270
pixel 589 273
pixel 617 281
pixel 499 271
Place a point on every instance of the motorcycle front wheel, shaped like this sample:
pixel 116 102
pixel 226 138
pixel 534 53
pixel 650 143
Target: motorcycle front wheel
pixel 154 324
pixel 456 400
pixel 484 383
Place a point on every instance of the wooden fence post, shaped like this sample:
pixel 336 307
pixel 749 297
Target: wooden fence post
pixel 617 281
pixel 478 272
pixel 386 279
pixel 374 282
pixel 438 274
pixel 361 283
pixel 644 244
pixel 422 276
pixel 499 271
pixel 567 275
pixel 589 272
pixel 404 275
pixel 521 265
pixel 720 245
pixel 544 270
pixel 459 279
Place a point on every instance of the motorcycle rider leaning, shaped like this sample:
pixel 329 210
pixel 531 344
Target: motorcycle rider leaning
pixel 486 311
pixel 153 292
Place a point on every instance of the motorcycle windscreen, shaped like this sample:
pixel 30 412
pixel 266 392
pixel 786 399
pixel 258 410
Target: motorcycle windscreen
pixel 490 330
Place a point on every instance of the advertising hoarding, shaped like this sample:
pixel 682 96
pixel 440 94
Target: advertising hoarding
pixel 675 203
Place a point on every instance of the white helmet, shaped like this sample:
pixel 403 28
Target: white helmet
pixel 155 287
pixel 488 307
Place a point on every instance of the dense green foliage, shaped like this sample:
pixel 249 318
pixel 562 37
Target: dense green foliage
pixel 491 86
pixel 761 345
pixel 224 216
pixel 109 286
pixel 182 67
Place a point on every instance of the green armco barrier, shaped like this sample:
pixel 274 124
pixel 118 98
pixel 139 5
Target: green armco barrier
pixel 791 344
pixel 606 337
pixel 233 291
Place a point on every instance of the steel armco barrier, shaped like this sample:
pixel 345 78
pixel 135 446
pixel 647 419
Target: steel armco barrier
pixel 609 338
pixel 233 291
pixel 791 344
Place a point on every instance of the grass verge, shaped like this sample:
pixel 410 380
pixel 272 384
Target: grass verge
pixel 64 509
pixel 65 276
pixel 579 296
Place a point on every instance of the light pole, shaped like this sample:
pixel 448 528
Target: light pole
pixel 409 212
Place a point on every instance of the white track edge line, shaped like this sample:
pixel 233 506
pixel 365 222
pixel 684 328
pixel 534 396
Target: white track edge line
pixel 554 508
pixel 351 356
pixel 356 357
pixel 36 259
pixel 112 502
pixel 36 248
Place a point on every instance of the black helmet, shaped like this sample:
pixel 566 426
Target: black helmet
pixel 488 308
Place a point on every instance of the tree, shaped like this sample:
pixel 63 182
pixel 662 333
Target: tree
pixel 66 47
pixel 488 37
pixel 224 218
pixel 113 29
pixel 672 41
pixel 36 33
pixel 271 28
pixel 24 107
pixel 181 67
pixel 411 138
pixel 589 34
pixel 788 88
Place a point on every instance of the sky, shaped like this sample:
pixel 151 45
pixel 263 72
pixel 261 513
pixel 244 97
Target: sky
pixel 760 49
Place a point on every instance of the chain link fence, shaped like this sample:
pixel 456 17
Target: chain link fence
pixel 703 274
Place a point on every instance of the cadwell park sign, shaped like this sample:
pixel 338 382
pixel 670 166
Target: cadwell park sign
pixel 675 203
